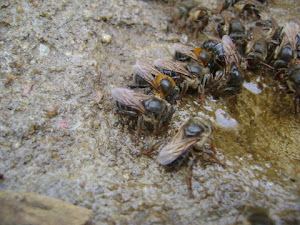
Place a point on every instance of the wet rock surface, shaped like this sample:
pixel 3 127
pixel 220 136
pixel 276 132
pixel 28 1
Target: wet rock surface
pixel 61 138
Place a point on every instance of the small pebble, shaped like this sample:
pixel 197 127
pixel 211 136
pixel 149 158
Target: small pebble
pixel 106 38
pixel 20 9
pixel 44 50
pixel 87 14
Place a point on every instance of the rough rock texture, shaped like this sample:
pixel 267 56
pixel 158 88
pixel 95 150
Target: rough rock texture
pixel 59 135
pixel 33 209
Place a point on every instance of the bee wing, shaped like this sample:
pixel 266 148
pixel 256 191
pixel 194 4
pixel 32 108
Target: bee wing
pixel 145 72
pixel 290 32
pixel 130 98
pixel 231 55
pixel 172 66
pixel 176 147
pixel 257 34
pixel 187 50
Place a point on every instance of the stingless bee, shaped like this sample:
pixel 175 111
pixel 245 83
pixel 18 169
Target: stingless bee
pixel 292 77
pixel 231 78
pixel 189 140
pixel 150 109
pixel 249 8
pixel 146 75
pixel 287 50
pixel 186 75
pixel 256 50
pixel 217 61
pixel 243 4
pixel 271 32
pixel 234 28
pixel 189 14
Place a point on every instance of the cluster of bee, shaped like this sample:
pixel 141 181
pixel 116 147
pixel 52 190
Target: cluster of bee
pixel 265 44
pixel 216 68
pixel 157 87
pixel 191 15
pixel 270 46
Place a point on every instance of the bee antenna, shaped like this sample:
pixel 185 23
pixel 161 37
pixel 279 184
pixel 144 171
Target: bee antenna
pixel 267 65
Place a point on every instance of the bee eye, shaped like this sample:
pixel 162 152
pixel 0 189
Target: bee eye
pixel 204 57
pixel 286 54
pixel 167 86
pixel 195 69
pixel 153 106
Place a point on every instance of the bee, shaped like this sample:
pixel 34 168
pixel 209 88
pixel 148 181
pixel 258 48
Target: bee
pixel 271 32
pixel 198 18
pixel 189 140
pixel 189 14
pixel 187 75
pixel 292 77
pixel 234 28
pixel 287 50
pixel 256 49
pixel 186 53
pixel 270 28
pixel 244 5
pixel 223 26
pixel 230 82
pixel 150 109
pixel 181 10
pixel 146 75
pixel 217 61
pixel 249 8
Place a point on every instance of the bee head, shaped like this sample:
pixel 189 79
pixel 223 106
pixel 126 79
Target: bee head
pixel 167 86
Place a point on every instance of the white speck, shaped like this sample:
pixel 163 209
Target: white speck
pixel 106 38
pixel 252 87
pixel 44 50
pixel 208 108
pixel 224 119
pixel 255 183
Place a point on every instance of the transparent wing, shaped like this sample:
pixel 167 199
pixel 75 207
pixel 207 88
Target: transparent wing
pixel 231 55
pixel 172 66
pixel 186 50
pixel 176 147
pixel 130 98
pixel 145 72
pixel 290 32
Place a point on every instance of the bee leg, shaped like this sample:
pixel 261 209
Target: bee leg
pixel 214 157
pixel 139 129
pixel 128 113
pixel 156 126
pixel 189 178
pixel 136 86
pixel 153 147
pixel 212 145
pixel 184 89
pixel 201 94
